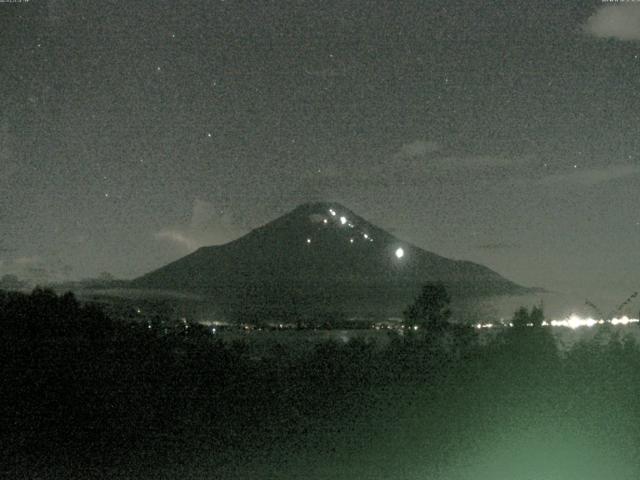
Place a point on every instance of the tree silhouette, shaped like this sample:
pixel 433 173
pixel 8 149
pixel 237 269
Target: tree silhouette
pixel 536 317
pixel 520 318
pixel 430 309
pixel 42 315
pixel 523 318
pixel 530 347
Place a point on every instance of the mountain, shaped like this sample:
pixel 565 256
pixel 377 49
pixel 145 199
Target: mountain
pixel 321 257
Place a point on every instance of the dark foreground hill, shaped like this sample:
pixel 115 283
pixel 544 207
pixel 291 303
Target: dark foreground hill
pixel 321 257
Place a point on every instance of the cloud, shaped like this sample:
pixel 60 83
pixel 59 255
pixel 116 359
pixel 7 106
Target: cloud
pixel 419 148
pixel 486 161
pixel 208 226
pixel 329 72
pixel 32 269
pixel 498 246
pixel 422 159
pixel 415 162
pixel 621 21
pixel 593 176
pixel 27 261
pixel 334 68
pixel 326 172
pixel 432 154
pixel 179 238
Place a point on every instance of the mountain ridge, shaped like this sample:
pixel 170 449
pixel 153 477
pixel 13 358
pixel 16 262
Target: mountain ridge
pixel 321 252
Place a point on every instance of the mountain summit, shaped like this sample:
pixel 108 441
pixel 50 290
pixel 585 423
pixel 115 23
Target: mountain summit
pixel 319 253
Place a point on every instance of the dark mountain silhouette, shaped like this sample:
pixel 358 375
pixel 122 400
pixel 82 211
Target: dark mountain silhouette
pixel 322 256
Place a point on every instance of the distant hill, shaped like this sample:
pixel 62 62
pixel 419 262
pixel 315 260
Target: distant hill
pixel 322 256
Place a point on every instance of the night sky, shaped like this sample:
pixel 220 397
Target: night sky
pixel 507 133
